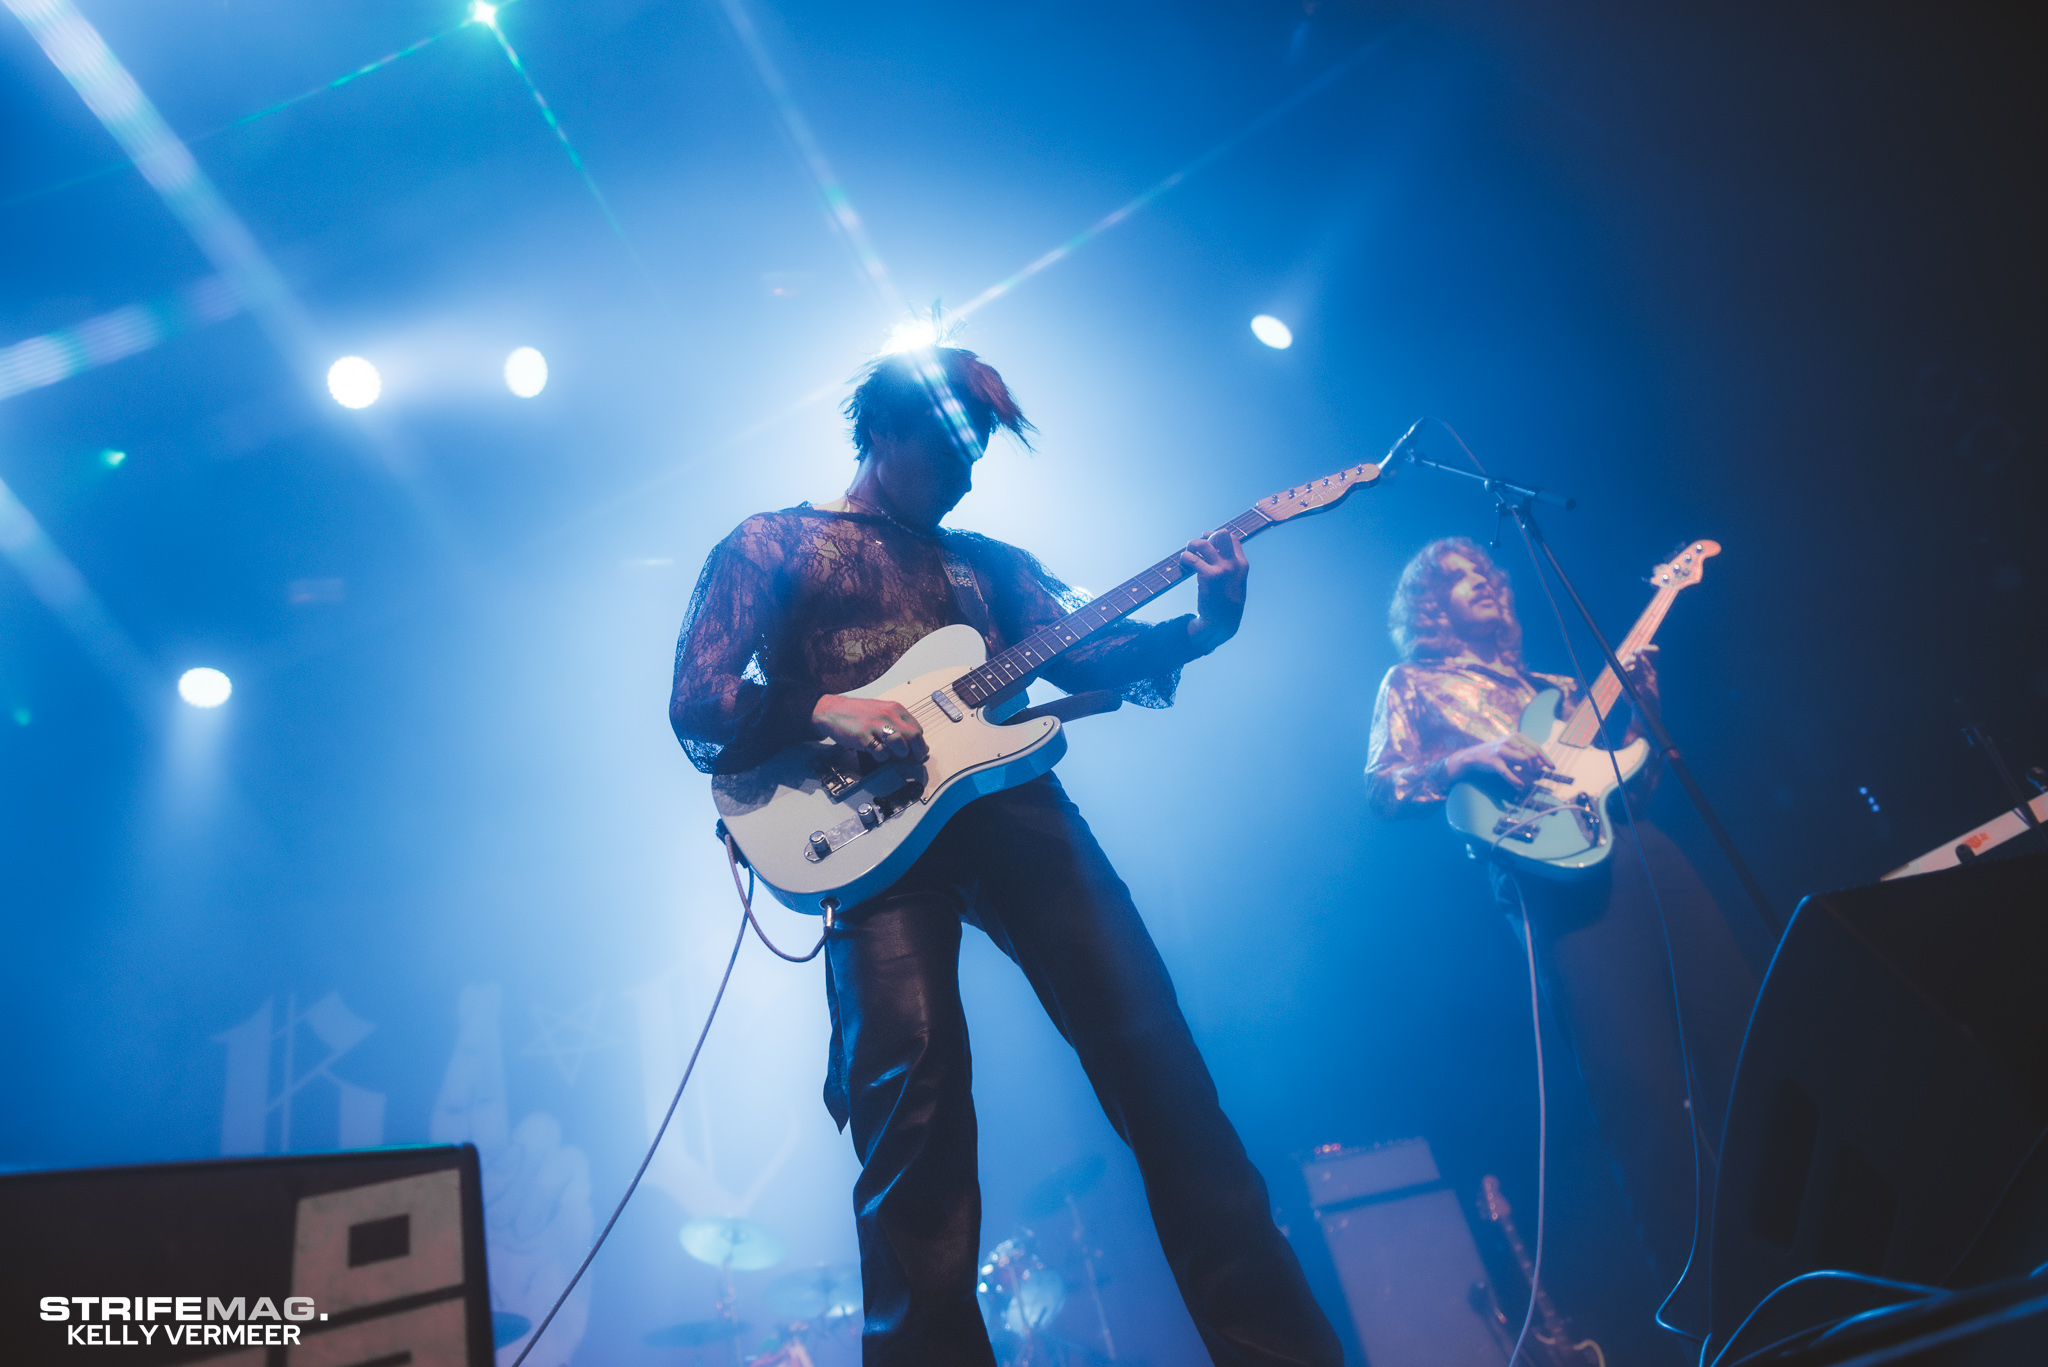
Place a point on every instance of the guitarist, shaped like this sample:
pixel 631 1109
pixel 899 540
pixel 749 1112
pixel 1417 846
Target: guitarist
pixel 796 607
pixel 1450 711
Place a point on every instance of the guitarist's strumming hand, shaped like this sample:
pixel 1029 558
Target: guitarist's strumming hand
pixel 1642 672
pixel 873 726
pixel 1515 758
pixel 1221 570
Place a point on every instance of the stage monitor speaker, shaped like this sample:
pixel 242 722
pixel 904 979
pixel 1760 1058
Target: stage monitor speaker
pixel 371 1259
pixel 1892 1085
pixel 1405 1256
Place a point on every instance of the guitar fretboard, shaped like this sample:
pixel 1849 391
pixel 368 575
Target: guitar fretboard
pixel 1015 667
pixel 1585 719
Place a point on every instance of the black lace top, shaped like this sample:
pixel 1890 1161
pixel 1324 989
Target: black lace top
pixel 800 603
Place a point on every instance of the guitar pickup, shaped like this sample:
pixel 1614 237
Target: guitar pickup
pixel 840 775
pixel 1516 828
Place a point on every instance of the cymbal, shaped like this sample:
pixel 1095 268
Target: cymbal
pixel 1075 1179
pixel 815 1292
pixel 694 1334
pixel 507 1327
pixel 743 1245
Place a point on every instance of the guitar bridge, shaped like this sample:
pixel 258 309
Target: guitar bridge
pixel 868 816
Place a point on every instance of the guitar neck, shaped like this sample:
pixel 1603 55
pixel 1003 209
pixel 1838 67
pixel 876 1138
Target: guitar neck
pixel 1585 720
pixel 1496 1208
pixel 1010 671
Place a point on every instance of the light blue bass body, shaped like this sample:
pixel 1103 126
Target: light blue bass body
pixel 1562 827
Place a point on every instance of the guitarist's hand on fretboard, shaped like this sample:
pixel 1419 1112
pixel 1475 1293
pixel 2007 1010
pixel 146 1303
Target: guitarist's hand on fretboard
pixel 1221 571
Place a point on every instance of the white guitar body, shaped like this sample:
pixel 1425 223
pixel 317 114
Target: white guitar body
pixel 1562 828
pixel 812 845
pixel 826 828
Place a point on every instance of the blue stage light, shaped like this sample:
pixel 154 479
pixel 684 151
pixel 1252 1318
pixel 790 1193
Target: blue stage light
pixel 112 458
pixel 1272 332
pixel 204 687
pixel 481 13
pixel 354 382
pixel 526 372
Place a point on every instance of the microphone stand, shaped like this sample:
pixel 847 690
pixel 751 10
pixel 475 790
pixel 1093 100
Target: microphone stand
pixel 1519 502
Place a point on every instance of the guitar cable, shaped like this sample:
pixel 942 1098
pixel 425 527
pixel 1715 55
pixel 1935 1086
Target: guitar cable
pixel 1670 965
pixel 1670 956
pixel 747 918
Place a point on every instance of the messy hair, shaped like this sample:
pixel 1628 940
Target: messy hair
pixel 1418 618
pixel 899 393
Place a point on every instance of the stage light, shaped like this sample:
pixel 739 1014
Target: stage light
pixel 910 334
pixel 526 372
pixel 112 458
pixel 22 716
pixel 354 382
pixel 1272 332
pixel 204 687
pixel 481 13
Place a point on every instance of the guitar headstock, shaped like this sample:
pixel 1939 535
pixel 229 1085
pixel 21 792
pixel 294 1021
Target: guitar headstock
pixel 1318 494
pixel 1683 570
pixel 1492 1203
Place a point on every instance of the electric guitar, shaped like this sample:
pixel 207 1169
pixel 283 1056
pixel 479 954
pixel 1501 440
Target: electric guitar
pixel 1561 827
pixel 826 827
pixel 1553 1344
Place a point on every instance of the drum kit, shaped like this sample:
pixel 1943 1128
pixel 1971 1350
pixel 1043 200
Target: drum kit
pixel 1021 1292
pixel 809 1304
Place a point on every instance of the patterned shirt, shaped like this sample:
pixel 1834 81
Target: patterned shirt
pixel 803 602
pixel 1427 710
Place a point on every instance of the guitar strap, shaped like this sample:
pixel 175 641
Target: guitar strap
pixel 968 601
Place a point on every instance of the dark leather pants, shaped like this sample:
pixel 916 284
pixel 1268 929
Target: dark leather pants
pixel 1023 866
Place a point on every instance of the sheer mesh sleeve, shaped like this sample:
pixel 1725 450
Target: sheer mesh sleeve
pixel 1139 661
pixel 724 709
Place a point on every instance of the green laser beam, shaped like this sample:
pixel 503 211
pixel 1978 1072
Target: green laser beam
pixel 489 20
pixel 562 135
pixel 278 108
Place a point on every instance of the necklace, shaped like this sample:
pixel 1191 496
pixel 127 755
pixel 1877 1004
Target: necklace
pixel 883 513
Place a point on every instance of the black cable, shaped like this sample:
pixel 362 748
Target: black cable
pixel 1663 924
pixel 634 1185
pixel 1663 921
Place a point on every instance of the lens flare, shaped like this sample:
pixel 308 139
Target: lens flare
pixel 354 382
pixel 910 334
pixel 1272 332
pixel 526 372
pixel 204 687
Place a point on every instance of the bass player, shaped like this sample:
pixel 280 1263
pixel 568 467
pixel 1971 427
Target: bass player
pixel 796 608
pixel 1450 711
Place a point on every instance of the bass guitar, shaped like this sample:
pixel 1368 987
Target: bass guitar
pixel 1561 826
pixel 826 827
